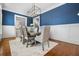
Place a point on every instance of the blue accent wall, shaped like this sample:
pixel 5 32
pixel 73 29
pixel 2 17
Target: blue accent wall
pixel 8 18
pixel 65 14
pixel 29 20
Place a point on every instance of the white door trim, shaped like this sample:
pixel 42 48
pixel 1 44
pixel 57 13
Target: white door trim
pixel 15 20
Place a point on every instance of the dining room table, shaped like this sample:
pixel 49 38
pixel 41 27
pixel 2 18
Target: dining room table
pixel 32 33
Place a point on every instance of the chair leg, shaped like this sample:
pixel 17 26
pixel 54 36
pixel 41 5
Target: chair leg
pixel 27 44
pixel 34 41
pixel 21 39
pixel 48 43
pixel 43 46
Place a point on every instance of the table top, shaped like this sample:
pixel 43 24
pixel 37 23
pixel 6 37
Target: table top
pixel 33 31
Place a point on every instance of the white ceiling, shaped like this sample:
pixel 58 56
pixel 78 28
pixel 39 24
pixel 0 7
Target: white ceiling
pixel 22 8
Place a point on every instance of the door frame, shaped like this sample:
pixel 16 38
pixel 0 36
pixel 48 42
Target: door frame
pixel 15 20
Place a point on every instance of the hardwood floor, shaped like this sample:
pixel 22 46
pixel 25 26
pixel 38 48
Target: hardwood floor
pixel 6 47
pixel 62 49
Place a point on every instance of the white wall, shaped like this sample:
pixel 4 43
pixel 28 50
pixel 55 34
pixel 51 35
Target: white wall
pixel 9 31
pixel 0 21
pixel 67 32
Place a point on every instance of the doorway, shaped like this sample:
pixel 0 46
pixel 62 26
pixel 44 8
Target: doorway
pixel 19 21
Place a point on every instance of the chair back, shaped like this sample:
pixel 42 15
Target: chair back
pixel 24 31
pixel 46 33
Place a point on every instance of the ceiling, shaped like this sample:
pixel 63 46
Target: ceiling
pixel 22 8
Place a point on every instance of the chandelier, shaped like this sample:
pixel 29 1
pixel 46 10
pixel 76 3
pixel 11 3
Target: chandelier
pixel 34 11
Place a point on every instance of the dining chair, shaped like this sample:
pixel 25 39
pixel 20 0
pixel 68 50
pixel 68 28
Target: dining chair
pixel 24 34
pixel 31 34
pixel 44 37
pixel 28 37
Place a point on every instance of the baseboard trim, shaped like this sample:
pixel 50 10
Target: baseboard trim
pixel 63 42
pixel 11 38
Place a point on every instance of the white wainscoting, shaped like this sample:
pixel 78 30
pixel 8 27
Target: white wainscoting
pixel 0 22
pixel 67 33
pixel 9 31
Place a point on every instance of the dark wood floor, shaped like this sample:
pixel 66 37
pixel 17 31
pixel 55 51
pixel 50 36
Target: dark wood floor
pixel 62 49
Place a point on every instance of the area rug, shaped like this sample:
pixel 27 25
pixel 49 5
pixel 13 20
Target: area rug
pixel 18 49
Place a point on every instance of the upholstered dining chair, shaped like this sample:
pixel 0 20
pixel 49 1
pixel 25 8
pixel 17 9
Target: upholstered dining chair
pixel 44 37
pixel 24 34
pixel 28 37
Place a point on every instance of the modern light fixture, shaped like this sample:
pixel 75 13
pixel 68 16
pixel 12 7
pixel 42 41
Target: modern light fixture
pixel 78 13
pixel 34 11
